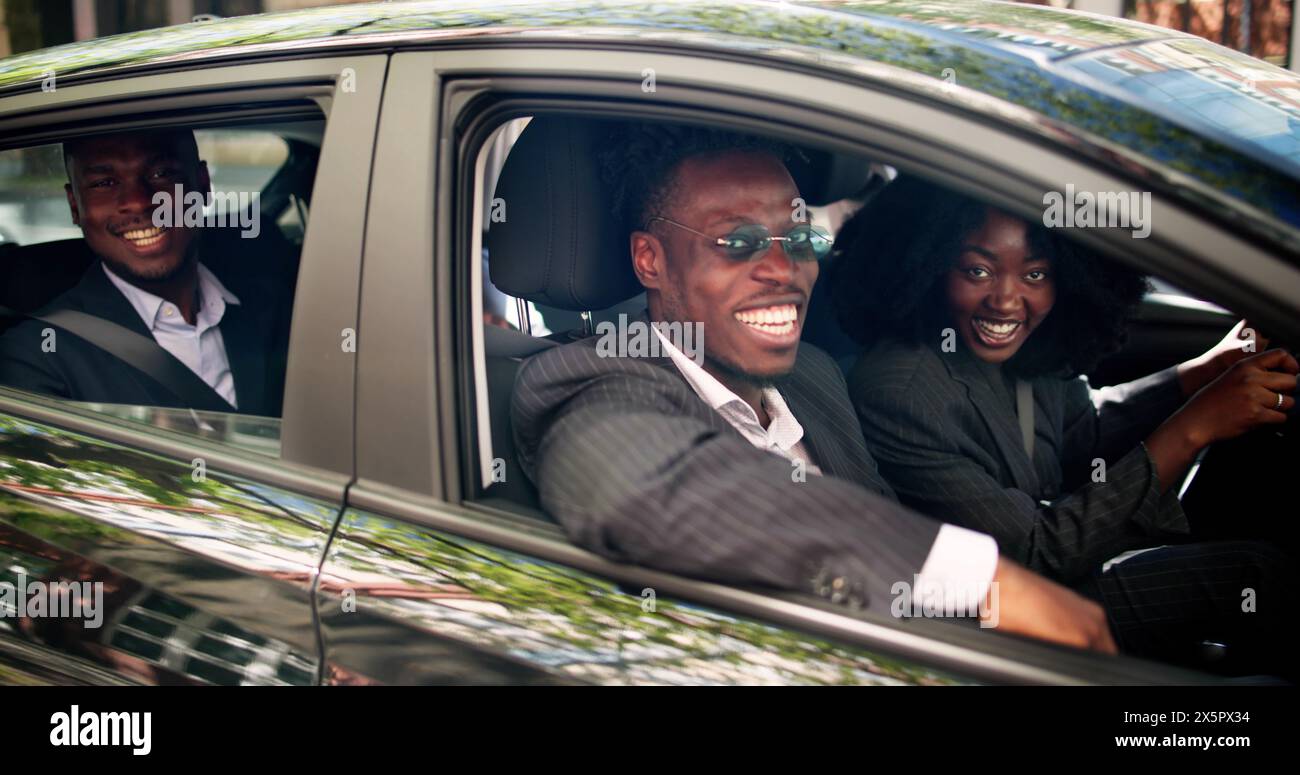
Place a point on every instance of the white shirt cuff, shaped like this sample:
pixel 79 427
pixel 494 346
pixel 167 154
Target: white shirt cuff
pixel 958 571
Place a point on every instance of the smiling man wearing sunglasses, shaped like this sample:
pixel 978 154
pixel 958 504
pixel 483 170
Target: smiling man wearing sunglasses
pixel 758 322
pixel 750 468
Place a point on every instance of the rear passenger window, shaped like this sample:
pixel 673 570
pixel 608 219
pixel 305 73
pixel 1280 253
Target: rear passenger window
pixel 96 290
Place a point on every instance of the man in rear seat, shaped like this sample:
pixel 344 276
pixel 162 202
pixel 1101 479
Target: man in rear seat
pixel 742 461
pixel 150 280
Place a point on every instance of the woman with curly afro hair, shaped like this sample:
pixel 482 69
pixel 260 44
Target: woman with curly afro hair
pixel 976 328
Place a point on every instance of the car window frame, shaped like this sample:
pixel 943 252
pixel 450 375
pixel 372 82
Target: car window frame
pixel 411 463
pixel 316 443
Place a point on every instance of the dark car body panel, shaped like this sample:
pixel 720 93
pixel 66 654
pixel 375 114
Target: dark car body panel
pixel 207 578
pixel 451 610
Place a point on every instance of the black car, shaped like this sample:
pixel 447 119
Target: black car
pixel 379 530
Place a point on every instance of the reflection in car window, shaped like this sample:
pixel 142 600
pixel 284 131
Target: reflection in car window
pixel 254 434
pixel 241 159
pixel 33 207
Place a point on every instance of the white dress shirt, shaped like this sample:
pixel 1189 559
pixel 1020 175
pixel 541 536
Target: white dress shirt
pixel 783 434
pixel 198 346
pixel 961 562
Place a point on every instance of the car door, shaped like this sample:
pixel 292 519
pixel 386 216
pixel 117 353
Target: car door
pixel 430 580
pixel 145 545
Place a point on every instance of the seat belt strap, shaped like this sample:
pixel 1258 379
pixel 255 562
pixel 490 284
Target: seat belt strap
pixel 140 352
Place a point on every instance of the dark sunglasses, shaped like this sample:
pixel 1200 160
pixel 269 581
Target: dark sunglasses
pixel 804 242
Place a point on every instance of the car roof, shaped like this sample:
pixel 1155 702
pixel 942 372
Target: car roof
pixel 1218 125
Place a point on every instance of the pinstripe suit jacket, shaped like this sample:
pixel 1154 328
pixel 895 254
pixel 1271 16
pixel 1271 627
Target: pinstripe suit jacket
pixel 637 468
pixel 947 437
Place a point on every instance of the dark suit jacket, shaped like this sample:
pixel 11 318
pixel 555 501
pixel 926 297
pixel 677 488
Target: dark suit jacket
pixel 637 468
pixel 944 429
pixel 255 333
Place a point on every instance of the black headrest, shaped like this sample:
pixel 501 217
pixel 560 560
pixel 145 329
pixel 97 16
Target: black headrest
pixel 559 244
pixel 32 276
pixel 824 177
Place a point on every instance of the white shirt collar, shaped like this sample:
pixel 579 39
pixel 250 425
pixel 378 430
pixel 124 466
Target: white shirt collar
pixel 783 430
pixel 213 298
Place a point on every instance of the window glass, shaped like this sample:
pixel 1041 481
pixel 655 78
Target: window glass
pixel 33 207
pixel 241 159
pixel 218 361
